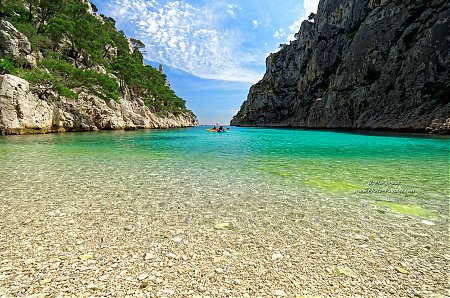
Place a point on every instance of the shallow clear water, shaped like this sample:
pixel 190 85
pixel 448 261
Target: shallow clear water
pixel 258 179
pixel 411 168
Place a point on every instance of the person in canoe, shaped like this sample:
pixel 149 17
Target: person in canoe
pixel 221 129
pixel 213 129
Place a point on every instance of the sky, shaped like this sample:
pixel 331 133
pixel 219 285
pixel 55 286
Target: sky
pixel 212 51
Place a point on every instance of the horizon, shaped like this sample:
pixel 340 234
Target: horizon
pixel 212 51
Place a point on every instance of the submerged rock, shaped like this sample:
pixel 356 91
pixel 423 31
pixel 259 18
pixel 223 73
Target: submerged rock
pixel 408 209
pixel 402 270
pixel 224 226
pixel 340 270
pixel 86 257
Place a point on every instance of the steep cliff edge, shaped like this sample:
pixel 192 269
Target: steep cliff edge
pixel 65 68
pixel 364 64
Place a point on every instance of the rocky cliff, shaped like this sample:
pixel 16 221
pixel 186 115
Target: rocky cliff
pixel 26 112
pixel 361 64
pixel 66 81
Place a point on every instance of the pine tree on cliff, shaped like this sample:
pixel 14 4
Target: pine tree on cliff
pixel 71 42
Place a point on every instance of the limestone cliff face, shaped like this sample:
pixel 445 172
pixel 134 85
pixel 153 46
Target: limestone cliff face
pixel 362 64
pixel 16 45
pixel 24 112
pixel 26 109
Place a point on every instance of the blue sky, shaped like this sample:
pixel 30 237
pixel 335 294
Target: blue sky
pixel 212 50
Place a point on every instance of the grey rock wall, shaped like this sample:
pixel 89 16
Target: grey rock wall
pixel 378 64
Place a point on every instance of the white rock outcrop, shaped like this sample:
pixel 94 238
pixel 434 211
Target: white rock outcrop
pixel 22 111
pixel 15 45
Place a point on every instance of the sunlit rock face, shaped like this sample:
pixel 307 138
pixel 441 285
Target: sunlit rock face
pixel 23 111
pixel 15 45
pixel 35 108
pixel 365 64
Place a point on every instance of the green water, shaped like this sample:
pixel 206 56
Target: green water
pixel 395 168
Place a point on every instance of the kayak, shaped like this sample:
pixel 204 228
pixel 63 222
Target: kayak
pixel 215 130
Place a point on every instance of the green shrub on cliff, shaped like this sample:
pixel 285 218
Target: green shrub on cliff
pixel 6 66
pixel 47 80
pixel 73 43
pixel 35 76
pixel 68 75
pixel 64 91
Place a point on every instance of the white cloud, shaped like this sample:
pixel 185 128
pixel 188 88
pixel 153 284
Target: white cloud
pixel 279 33
pixel 255 24
pixel 231 10
pixel 309 7
pixel 188 37
pixel 296 25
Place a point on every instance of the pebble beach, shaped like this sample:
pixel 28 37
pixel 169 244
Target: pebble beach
pixel 131 229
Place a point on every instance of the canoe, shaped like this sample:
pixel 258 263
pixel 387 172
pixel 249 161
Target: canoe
pixel 215 130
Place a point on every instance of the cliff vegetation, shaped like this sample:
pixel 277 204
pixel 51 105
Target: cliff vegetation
pixel 73 49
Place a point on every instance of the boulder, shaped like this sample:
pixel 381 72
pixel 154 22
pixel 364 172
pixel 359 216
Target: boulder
pixel 20 110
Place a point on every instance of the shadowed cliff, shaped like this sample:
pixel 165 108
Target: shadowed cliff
pixel 364 64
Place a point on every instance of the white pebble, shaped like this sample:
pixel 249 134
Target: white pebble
pixel 177 239
pixel 169 292
pixel 149 256
pixel 279 293
pixel 428 223
pixel 219 270
pixel 171 256
pixel 361 238
pixel 276 256
pixel 92 287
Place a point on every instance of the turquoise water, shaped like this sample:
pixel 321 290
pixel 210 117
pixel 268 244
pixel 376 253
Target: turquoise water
pixel 412 169
pixel 320 199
